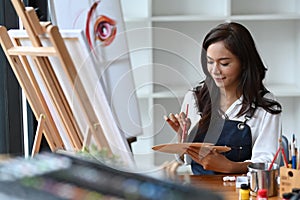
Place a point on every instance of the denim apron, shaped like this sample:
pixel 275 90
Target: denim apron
pixel 225 132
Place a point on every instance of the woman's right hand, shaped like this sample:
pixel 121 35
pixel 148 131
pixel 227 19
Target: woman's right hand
pixel 178 122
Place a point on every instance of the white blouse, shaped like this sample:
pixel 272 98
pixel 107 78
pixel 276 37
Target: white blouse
pixel 265 127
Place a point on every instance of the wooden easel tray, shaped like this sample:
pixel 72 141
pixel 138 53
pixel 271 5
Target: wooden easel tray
pixel 180 148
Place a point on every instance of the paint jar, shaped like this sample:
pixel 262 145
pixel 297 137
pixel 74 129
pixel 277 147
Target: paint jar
pixel 244 193
pixel 287 196
pixel 262 194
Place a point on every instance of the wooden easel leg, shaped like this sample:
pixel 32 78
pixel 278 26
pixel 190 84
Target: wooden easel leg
pixel 38 135
pixel 87 140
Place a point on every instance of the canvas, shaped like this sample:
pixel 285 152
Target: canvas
pixel 103 26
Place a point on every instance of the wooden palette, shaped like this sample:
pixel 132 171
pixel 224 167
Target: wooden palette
pixel 180 148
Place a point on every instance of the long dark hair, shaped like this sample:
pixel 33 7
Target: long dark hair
pixel 238 40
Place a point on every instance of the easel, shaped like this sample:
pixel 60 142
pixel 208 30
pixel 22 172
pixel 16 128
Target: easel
pixel 17 57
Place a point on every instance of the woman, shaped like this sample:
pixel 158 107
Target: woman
pixel 231 106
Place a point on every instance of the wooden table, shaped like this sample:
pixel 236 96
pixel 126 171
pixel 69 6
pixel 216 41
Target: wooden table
pixel 216 184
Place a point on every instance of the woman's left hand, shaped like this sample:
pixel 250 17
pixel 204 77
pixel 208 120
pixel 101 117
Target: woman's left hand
pixel 210 159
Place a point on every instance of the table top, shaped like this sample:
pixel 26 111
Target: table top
pixel 216 184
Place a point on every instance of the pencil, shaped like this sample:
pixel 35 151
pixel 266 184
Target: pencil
pixel 277 152
pixel 298 158
pixel 284 157
pixel 280 148
pixel 294 159
pixel 184 131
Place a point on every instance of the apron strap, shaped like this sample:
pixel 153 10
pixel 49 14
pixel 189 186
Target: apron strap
pixel 248 116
